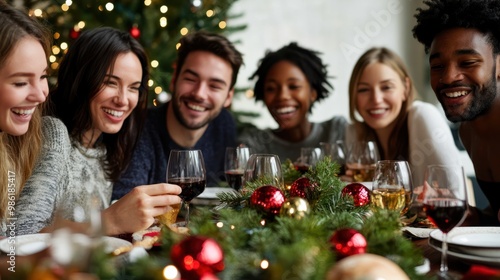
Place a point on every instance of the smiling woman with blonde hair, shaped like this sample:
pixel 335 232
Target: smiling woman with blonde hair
pixel 382 109
pixel 23 87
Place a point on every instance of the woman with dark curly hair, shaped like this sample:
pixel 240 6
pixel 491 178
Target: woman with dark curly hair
pixel 290 81
pixel 463 42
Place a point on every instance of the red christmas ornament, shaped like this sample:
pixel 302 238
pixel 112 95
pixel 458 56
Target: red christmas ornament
pixel 303 188
pixel 198 258
pixel 267 199
pixel 135 32
pixel 73 33
pixel 359 192
pixel 347 242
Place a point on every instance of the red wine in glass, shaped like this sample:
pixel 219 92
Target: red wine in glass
pixel 445 213
pixel 191 187
pixel 302 168
pixel 234 178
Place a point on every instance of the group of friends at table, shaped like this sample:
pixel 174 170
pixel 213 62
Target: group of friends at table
pixel 93 128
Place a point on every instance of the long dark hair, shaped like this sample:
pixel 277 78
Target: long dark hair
pixel 81 75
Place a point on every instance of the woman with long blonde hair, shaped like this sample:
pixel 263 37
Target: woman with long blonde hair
pixel 383 109
pixel 23 86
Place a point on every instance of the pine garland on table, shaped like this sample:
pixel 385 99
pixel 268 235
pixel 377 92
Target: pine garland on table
pixel 264 246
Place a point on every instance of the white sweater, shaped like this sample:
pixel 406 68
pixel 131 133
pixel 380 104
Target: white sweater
pixel 430 140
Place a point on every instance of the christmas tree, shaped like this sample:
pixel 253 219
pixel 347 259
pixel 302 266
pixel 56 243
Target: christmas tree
pixel 157 25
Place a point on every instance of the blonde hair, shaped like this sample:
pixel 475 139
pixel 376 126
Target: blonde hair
pixel 18 154
pixel 399 135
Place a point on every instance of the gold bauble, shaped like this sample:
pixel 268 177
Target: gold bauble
pixel 295 207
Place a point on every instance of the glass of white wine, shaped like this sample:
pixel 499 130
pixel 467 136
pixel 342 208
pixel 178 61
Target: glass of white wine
pixel 361 160
pixel 392 186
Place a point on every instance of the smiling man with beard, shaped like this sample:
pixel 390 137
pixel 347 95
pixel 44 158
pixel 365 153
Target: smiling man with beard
pixel 195 118
pixel 463 42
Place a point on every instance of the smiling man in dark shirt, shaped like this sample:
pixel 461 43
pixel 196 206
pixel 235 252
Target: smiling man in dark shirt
pixel 195 118
pixel 463 42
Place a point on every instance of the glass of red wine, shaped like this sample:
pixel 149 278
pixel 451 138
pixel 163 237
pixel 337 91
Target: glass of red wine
pixel 186 168
pixel 236 159
pixel 445 204
pixel 309 156
pixel 264 169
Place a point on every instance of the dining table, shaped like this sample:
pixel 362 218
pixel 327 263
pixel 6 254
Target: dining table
pixel 434 256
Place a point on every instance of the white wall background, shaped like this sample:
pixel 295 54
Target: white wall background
pixel 341 29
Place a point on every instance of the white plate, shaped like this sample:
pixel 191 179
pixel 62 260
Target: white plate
pixel 478 241
pixel 24 245
pixel 495 262
pixel 211 193
pixel 367 184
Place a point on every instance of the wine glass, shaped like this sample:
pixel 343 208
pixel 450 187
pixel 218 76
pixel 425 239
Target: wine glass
pixel 77 228
pixel 186 168
pixel 236 159
pixel 336 152
pixel 445 204
pixel 361 160
pixel 264 168
pixel 309 156
pixel 392 186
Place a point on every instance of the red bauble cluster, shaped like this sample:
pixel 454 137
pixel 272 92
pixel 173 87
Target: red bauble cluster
pixel 267 199
pixel 198 258
pixel 303 188
pixel 359 193
pixel 348 242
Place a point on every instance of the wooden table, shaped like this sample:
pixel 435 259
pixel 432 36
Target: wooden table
pixel 434 256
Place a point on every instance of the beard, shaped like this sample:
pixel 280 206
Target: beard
pixel 479 105
pixel 186 122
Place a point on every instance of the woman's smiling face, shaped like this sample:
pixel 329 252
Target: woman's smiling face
pixel 380 94
pixel 23 85
pixel 288 94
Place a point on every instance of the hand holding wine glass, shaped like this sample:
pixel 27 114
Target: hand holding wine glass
pixel 445 203
pixel 186 168
pixel 236 159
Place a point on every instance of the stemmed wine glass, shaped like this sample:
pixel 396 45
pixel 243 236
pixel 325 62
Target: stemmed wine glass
pixel 186 168
pixel 336 152
pixel 309 156
pixel 265 168
pixel 361 160
pixel 445 203
pixel 392 186
pixel 236 159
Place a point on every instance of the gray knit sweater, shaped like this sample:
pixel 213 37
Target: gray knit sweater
pixel 66 178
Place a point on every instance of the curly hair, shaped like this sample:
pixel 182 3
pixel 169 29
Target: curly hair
pixel 483 15
pixel 307 60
